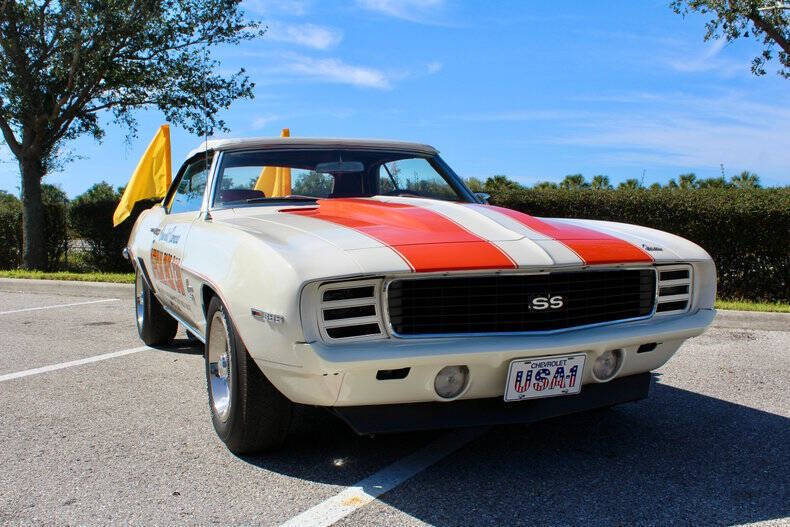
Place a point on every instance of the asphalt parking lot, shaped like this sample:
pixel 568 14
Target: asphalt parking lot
pixel 91 438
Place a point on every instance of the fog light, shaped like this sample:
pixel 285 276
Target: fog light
pixel 451 381
pixel 607 364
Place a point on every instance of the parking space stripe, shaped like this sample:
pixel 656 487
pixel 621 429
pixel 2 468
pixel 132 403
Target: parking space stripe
pixel 58 305
pixel 360 494
pixel 78 362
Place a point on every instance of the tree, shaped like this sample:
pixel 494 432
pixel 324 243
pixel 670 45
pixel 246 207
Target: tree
pixel 574 181
pixel 713 182
pixel 64 64
pixel 630 184
pixel 313 183
pixel 765 20
pixel 500 184
pixel 474 184
pixel 685 181
pixel 655 186
pixel 600 182
pixel 542 185
pixel 746 179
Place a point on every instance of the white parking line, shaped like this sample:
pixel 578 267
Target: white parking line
pixel 57 305
pixel 360 494
pixel 60 366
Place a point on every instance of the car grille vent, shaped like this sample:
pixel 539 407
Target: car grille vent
pixel 501 303
pixel 350 311
pixel 674 289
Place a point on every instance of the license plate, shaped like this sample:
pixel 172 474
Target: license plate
pixel 544 377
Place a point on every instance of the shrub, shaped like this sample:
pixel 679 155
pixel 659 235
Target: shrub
pixel 56 206
pixel 10 231
pixel 91 220
pixel 746 231
pixel 56 224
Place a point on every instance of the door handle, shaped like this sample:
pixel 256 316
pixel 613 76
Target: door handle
pixel 156 230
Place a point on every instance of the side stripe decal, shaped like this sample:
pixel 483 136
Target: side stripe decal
pixel 426 240
pixel 593 247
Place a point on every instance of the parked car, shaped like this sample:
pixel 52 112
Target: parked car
pixel 364 277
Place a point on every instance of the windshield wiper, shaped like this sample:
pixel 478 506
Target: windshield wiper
pixel 284 198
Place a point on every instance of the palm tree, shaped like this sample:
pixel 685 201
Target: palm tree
pixel 655 186
pixel 600 182
pixel 544 185
pixel 574 181
pixel 746 179
pixel 685 181
pixel 630 184
pixel 713 182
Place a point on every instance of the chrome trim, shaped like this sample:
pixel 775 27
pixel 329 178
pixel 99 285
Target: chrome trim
pixel 187 326
pixel 675 282
pixel 395 334
pixel 264 316
pixel 374 300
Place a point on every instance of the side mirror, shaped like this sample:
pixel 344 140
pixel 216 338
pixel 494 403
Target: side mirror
pixel 483 197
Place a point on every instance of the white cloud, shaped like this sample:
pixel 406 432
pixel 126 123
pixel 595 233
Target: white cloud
pixel 310 35
pixel 435 67
pixel 337 71
pixel 411 10
pixel 707 61
pixel 687 131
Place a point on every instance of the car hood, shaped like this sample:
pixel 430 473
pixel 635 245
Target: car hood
pixel 394 234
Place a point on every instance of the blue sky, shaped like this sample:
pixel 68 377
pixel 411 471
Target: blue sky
pixel 533 90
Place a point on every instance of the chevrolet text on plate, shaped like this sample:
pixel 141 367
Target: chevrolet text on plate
pixel 364 277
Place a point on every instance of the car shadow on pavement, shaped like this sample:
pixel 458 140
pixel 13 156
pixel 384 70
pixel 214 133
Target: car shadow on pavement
pixel 678 457
pixel 185 346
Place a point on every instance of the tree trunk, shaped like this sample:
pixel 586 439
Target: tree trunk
pixel 34 250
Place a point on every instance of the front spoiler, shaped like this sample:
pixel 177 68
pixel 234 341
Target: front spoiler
pixel 388 418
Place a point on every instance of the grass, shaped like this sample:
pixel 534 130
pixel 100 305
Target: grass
pixel 128 278
pixel 747 305
pixel 116 278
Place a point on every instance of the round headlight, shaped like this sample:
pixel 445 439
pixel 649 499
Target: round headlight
pixel 607 364
pixel 451 381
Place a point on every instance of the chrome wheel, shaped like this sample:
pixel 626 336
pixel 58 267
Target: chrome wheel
pixel 220 365
pixel 139 300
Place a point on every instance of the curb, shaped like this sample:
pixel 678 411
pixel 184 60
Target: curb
pixel 751 320
pixel 67 287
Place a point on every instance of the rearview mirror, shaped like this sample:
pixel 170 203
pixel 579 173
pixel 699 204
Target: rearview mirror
pixel 335 167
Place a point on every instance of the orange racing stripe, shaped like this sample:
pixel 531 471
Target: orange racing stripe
pixel 593 247
pixel 427 241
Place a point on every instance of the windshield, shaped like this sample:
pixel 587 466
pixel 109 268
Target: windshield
pixel 306 175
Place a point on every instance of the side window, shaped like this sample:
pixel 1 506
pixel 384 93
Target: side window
pixel 189 194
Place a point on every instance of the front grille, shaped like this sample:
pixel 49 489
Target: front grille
pixel 507 303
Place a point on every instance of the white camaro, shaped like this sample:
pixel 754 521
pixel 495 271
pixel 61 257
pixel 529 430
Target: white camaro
pixel 365 277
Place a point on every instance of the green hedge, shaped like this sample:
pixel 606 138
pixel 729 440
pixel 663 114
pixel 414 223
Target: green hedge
pixel 56 206
pixel 10 231
pixel 88 218
pixel 747 232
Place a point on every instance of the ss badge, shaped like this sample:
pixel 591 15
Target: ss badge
pixel 546 303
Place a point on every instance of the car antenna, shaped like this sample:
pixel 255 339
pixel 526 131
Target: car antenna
pixel 205 112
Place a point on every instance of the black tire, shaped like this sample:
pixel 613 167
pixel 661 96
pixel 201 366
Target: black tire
pixel 154 325
pixel 258 416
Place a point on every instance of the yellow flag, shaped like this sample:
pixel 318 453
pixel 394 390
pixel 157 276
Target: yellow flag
pixel 151 178
pixel 275 182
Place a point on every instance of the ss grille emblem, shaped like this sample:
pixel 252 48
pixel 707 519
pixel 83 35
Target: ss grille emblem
pixel 546 303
